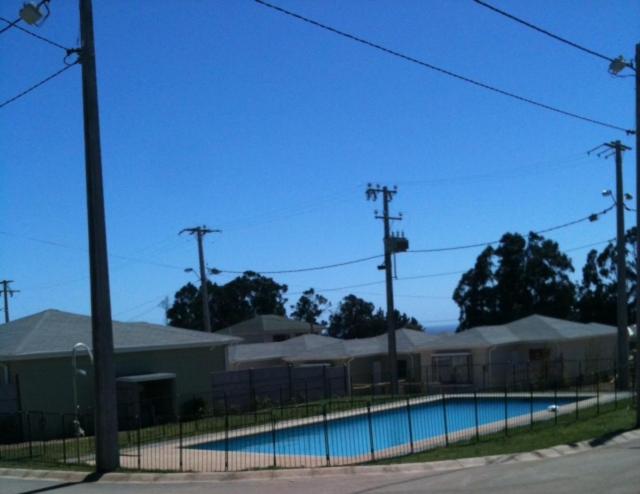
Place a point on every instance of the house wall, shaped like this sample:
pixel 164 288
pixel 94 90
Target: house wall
pixel 46 384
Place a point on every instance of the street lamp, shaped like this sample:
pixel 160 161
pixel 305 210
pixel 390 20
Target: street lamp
pixel 31 14
pixel 79 432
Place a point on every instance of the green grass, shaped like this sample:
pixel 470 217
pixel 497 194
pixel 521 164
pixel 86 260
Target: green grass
pixel 608 423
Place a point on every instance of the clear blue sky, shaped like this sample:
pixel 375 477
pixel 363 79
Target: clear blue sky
pixel 228 114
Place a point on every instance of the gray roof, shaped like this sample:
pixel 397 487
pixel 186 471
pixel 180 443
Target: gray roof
pixel 270 324
pixel 407 341
pixel 531 329
pixel 255 352
pixel 53 333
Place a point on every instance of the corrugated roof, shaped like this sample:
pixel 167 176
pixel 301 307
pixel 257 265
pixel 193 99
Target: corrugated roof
pixel 53 333
pixel 254 352
pixel 269 324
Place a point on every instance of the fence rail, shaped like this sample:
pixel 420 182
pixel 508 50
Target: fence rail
pixel 341 431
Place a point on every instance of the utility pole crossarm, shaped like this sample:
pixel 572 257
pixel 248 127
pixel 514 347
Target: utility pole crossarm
pixel 7 292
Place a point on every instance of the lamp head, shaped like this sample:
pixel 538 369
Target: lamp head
pixel 618 65
pixel 606 192
pixel 30 13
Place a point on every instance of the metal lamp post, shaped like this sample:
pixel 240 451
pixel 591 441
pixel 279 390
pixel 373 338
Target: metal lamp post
pixel 75 371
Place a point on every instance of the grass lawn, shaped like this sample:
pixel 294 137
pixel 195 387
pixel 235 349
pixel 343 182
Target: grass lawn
pixel 609 423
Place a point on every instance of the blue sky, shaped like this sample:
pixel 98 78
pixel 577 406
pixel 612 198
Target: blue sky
pixel 228 114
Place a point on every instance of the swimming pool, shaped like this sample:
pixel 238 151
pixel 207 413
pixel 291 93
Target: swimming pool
pixel 363 434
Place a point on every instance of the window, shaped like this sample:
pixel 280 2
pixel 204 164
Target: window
pixel 452 368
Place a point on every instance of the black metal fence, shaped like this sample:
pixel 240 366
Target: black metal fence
pixel 337 431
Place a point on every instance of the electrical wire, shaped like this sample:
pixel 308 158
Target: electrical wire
pixel 590 218
pixel 544 31
pixel 30 33
pixel 10 24
pixel 304 270
pixel 443 71
pixel 35 86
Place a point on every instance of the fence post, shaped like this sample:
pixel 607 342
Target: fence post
pixel 475 404
pixel 180 442
pixel 226 441
pixel 597 393
pixel 484 376
pixel 370 422
pixel 513 375
pixel 42 423
pixel 426 379
pixel 555 402
pixel 530 405
pixel 273 437
pixel 446 425
pixel 64 445
pixel 506 416
pixel 577 396
pixel 615 386
pixel 306 394
pixel 29 434
pixel 345 375
pixel 410 425
pixel 252 391
pixel 326 433
pixel 290 373
pixel 324 381
pixel 138 420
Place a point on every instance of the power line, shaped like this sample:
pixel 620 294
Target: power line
pixel 590 218
pixel 35 86
pixel 544 31
pixel 443 71
pixel 11 24
pixel 314 268
pixel 30 33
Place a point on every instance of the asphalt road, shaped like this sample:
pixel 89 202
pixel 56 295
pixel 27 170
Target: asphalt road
pixel 611 469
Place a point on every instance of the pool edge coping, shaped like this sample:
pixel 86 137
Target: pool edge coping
pixel 422 467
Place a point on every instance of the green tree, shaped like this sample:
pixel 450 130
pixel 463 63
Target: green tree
pixel 310 306
pixel 597 298
pixel 246 296
pixel 476 293
pixel 518 278
pixel 357 318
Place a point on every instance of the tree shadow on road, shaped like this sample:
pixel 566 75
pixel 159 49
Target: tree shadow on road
pixel 92 477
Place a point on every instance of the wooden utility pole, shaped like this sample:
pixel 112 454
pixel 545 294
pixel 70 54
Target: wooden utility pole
pixel 621 268
pixel 6 291
pixel 637 355
pixel 200 232
pixel 392 244
pixel 106 419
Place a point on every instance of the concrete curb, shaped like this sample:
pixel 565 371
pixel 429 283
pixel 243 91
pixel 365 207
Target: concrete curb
pixel 426 467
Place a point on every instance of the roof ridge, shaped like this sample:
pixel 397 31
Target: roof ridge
pixel 30 334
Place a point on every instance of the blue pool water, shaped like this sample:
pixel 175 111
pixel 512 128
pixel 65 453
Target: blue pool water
pixel 353 435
